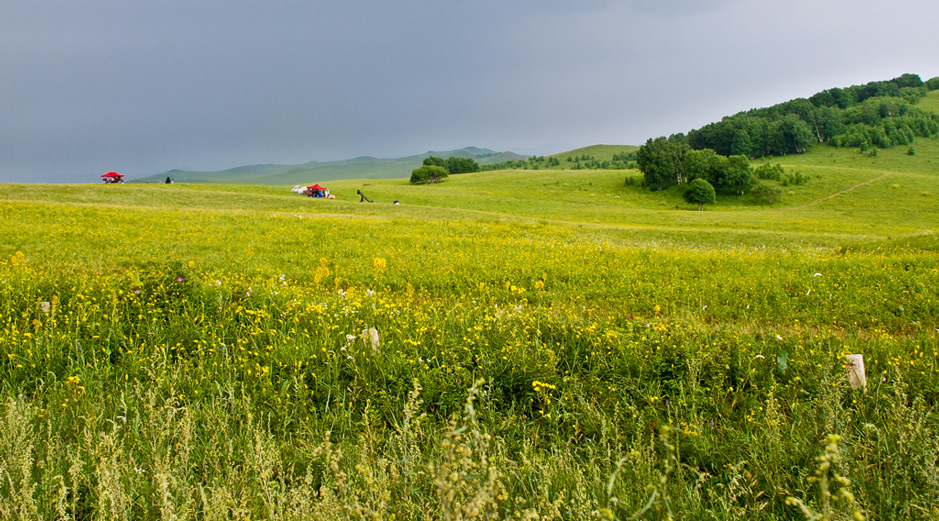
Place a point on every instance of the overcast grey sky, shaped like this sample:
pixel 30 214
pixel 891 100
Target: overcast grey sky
pixel 146 86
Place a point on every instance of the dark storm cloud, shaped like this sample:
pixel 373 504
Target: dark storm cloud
pixel 148 86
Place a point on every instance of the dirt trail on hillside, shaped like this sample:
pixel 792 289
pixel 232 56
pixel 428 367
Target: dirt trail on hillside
pixel 846 190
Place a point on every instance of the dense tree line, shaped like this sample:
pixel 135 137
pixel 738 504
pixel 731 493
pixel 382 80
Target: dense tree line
pixel 885 122
pixel 436 169
pixel 878 114
pixel 530 163
pixel 619 161
pixel 453 164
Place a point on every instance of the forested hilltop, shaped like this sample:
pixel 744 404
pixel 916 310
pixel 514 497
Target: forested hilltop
pixel 880 114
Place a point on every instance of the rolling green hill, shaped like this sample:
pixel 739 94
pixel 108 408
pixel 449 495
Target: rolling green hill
pixel 600 152
pixel 364 167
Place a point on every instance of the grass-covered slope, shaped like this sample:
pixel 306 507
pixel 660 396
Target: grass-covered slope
pixel 930 102
pixel 358 168
pixel 600 152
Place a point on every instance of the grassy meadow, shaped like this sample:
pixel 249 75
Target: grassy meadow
pixel 503 345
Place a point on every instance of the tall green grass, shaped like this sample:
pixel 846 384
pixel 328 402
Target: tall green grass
pixel 524 345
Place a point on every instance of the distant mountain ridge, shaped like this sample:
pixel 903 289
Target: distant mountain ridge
pixel 363 167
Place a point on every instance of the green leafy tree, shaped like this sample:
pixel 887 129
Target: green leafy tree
pixel 908 80
pixel 700 192
pixel 767 192
pixel 703 164
pixel 461 165
pixel 796 134
pixel 738 176
pixel 844 98
pixel 660 161
pixel 741 143
pixel 729 175
pixel 428 175
pixel 435 161
pixel 828 123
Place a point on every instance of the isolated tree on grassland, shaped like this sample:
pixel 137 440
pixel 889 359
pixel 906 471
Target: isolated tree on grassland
pixel 428 175
pixel 700 192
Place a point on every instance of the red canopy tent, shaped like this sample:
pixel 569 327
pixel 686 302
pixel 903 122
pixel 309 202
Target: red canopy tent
pixel 112 177
pixel 317 191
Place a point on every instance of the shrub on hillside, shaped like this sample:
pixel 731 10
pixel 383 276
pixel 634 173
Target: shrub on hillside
pixel 768 171
pixel 798 178
pixel 767 192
